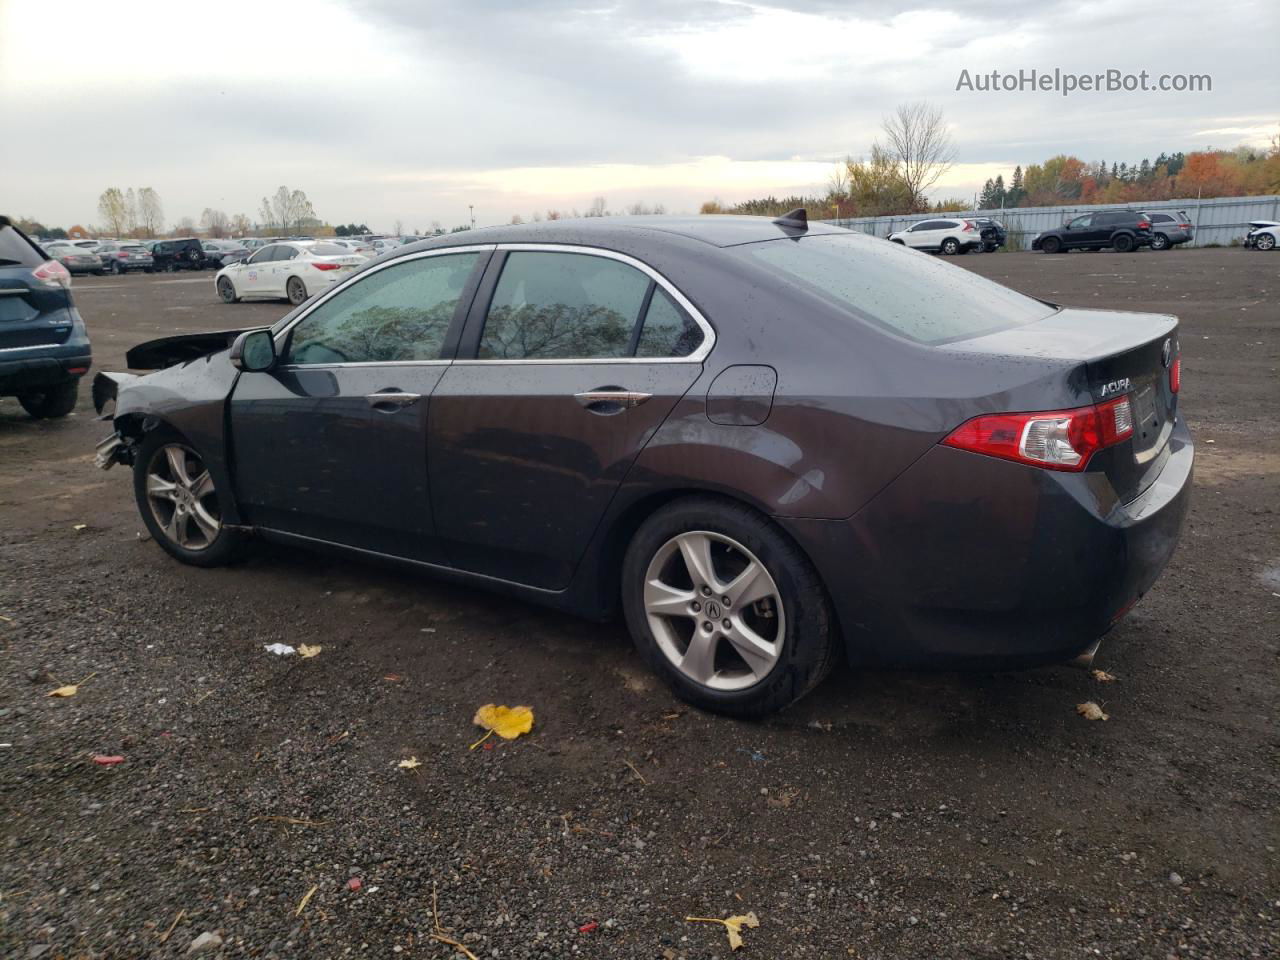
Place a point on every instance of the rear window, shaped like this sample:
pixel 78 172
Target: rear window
pixel 329 250
pixel 905 292
pixel 16 250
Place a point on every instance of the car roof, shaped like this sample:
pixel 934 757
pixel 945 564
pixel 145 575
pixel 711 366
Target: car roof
pixel 628 232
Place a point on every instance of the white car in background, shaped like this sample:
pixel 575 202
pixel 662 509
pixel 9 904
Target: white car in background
pixel 361 247
pixel 944 234
pixel 1263 235
pixel 295 270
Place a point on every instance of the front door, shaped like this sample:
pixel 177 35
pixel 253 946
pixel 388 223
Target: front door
pixel 331 445
pixel 566 370
pixel 250 280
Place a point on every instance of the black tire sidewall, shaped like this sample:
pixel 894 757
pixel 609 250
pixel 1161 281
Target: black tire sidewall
pixel 809 641
pixel 1123 243
pixel 1051 245
pixel 950 247
pixel 50 404
pixel 230 286
pixel 225 547
pixel 288 291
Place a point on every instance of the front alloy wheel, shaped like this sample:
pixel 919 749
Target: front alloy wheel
pixel 296 290
pixel 1265 241
pixel 181 497
pixel 714 610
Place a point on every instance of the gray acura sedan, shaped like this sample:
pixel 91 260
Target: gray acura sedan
pixel 767 443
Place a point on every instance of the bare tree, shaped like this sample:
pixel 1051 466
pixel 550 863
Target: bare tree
pixel 919 142
pixel 516 219
pixel 111 208
pixel 598 208
pixel 186 226
pixel 150 211
pixel 240 225
pixel 130 212
pixel 398 227
pixel 215 222
pixel 285 209
pixel 554 214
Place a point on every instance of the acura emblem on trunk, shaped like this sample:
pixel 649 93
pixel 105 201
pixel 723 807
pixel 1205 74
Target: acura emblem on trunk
pixel 1166 350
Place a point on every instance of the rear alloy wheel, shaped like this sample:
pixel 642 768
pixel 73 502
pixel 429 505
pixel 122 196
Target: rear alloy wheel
pixel 1265 241
pixel 227 290
pixel 1051 245
pixel 1123 243
pixel 726 608
pixel 55 402
pixel 179 503
pixel 950 247
pixel 296 290
pixel 1159 242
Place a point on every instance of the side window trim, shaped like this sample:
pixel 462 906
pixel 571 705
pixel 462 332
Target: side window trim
pixel 283 335
pixel 475 321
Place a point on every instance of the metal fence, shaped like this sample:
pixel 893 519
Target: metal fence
pixel 1221 221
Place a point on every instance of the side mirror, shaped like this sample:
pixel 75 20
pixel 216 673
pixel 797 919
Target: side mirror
pixel 254 351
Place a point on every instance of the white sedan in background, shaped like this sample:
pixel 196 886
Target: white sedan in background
pixel 293 269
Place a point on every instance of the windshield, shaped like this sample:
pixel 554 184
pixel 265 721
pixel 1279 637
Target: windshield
pixel 906 292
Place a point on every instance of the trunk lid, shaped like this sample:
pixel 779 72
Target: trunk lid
pixel 1106 354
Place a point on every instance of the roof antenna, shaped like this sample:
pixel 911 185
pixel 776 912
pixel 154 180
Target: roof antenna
pixel 796 219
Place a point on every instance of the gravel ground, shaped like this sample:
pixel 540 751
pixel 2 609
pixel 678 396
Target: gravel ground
pixel 889 815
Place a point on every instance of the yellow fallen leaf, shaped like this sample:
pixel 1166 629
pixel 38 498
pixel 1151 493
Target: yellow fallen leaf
pixel 305 651
pixel 732 925
pixel 1102 676
pixel 1090 711
pixel 506 722
pixel 71 689
pixel 411 764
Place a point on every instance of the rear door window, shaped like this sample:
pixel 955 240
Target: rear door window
pixel 561 306
pixel 1161 218
pixel 921 298
pixel 668 331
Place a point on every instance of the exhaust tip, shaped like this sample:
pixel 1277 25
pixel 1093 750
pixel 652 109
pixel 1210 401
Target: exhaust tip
pixel 1084 659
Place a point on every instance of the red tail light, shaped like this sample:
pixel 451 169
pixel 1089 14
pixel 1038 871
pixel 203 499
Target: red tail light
pixel 1144 224
pixel 122 255
pixel 968 227
pixel 51 273
pixel 1055 440
pixel 325 265
pixel 1175 375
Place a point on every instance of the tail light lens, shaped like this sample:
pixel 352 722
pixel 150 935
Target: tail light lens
pixel 325 265
pixel 1055 440
pixel 1175 375
pixel 968 227
pixel 1144 224
pixel 122 255
pixel 51 273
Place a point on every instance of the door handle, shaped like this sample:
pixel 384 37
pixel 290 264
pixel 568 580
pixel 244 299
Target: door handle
pixel 392 400
pixel 609 399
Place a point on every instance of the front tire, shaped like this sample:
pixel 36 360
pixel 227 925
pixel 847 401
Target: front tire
pixel 227 290
pixel 1265 242
pixel 1051 245
pixel 296 290
pixel 950 247
pixel 52 403
pixel 179 503
pixel 725 608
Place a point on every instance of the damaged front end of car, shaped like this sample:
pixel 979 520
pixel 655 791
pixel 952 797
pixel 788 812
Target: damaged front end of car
pixel 116 447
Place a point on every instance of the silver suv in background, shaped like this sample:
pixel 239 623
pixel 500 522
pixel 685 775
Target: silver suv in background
pixel 1170 229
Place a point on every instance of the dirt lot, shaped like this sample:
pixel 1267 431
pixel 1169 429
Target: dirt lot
pixel 889 815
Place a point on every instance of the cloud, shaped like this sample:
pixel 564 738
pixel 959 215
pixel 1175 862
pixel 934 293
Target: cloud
pixel 383 110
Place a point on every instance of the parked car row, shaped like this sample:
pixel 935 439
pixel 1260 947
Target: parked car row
pixel 952 235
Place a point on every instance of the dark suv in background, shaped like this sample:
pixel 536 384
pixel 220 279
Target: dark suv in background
pixel 1123 230
pixel 184 253
pixel 44 348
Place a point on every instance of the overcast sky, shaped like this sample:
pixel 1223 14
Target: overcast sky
pixel 410 111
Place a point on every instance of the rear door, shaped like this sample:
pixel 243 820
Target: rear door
pixel 33 312
pixel 571 359
pixel 332 444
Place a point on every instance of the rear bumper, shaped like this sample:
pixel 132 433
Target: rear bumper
pixel 966 559
pixel 38 373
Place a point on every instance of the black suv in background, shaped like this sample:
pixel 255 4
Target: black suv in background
pixel 1123 230
pixel 185 253
pixel 44 348
pixel 993 233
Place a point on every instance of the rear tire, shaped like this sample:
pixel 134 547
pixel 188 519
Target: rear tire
pixel 950 246
pixel 52 403
pixel 1051 245
pixel 179 503
pixel 296 290
pixel 1123 243
pixel 782 616
pixel 1160 242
